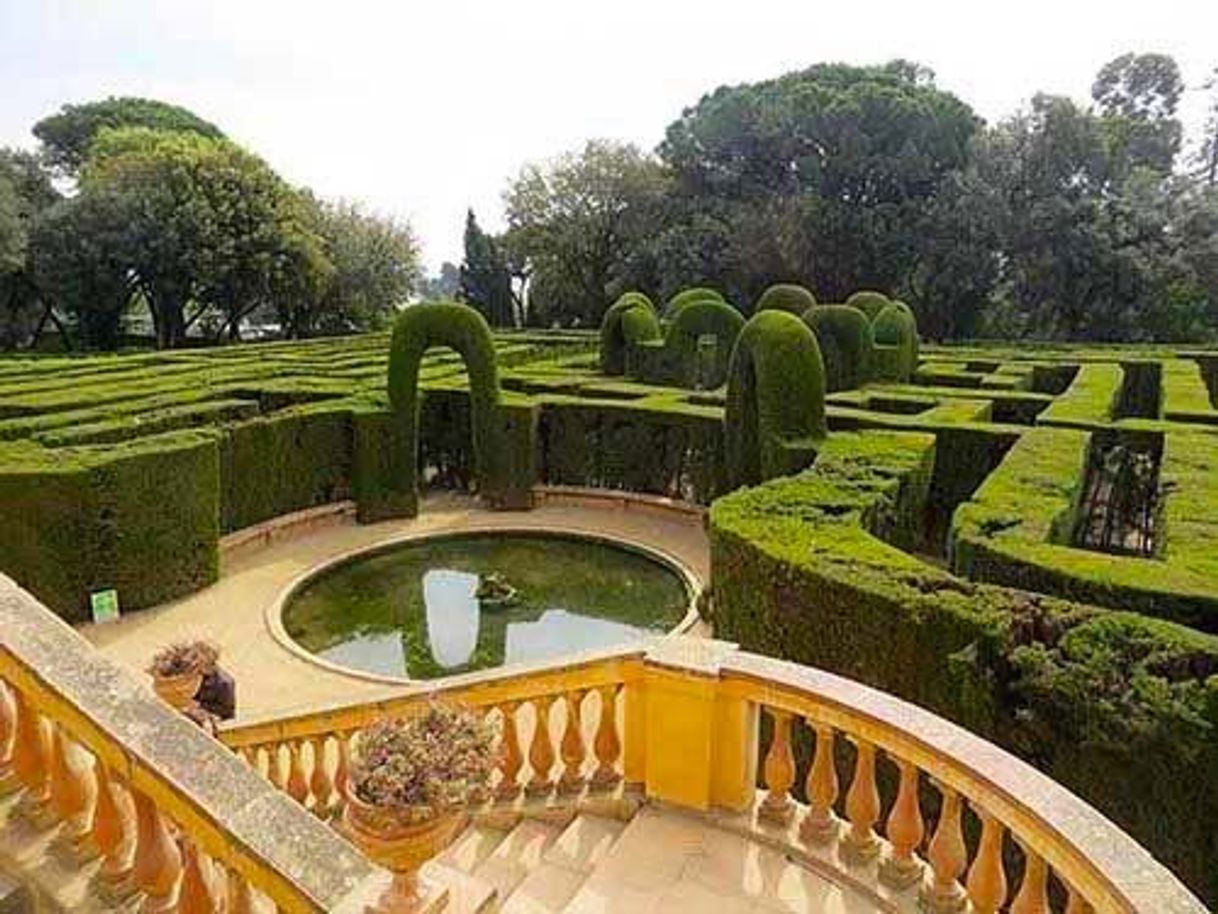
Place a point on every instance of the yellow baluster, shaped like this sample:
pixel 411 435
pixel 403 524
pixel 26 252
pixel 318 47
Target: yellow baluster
pixel 987 881
pixel 30 764
pixel 319 782
pixel 862 805
pixel 240 897
pixel 608 745
pixel 113 835
pixel 541 750
pixel 342 768
pixel 512 760
pixel 820 825
pixel 158 862
pixel 72 796
pixel 1033 896
pixel 198 893
pixel 8 736
pixel 905 831
pixel 948 857
pixel 573 750
pixel 274 765
pixel 778 806
pixel 1076 905
pixel 298 784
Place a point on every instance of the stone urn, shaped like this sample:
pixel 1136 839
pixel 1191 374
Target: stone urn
pixel 177 690
pixel 402 843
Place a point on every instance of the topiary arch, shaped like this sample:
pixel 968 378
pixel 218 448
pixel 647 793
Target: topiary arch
pixel 846 342
pixel 785 297
pixel 896 343
pixel 870 303
pixel 629 321
pixel 694 321
pixel 775 415
pixel 418 329
pixel 688 297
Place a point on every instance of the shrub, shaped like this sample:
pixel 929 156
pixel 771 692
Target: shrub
pixel 775 415
pixel 895 354
pixel 693 322
pixel 627 322
pixel 687 297
pixel 845 339
pixel 870 303
pixel 785 297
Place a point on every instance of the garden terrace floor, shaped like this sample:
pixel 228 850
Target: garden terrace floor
pixel 270 678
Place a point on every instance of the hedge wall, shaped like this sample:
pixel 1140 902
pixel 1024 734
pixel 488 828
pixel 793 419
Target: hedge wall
pixel 688 297
pixel 1119 708
pixel 785 297
pixel 681 346
pixel 628 321
pixel 775 411
pixel 870 303
pixel 895 353
pixel 846 342
pixel 1016 530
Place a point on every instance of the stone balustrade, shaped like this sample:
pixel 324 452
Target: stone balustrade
pixel 158 812
pixel 897 802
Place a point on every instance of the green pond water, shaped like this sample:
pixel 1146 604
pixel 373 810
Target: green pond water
pixel 412 611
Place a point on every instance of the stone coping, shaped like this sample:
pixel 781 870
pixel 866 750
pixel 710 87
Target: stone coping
pixel 273 616
pixel 286 525
pixel 235 815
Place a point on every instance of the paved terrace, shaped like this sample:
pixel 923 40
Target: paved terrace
pixel 254 574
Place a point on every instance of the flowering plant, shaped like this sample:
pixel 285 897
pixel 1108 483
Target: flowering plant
pixel 184 657
pixel 421 766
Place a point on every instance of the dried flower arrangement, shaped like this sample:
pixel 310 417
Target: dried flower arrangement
pixel 420 767
pixel 184 658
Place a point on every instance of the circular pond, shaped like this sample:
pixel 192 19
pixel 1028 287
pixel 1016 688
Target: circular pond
pixel 453 603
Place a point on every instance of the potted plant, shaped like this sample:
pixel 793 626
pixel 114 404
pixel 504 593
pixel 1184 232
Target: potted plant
pixel 494 591
pixel 177 671
pixel 408 785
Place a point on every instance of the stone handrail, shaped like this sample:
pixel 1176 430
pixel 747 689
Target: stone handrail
pixel 684 729
pixel 172 814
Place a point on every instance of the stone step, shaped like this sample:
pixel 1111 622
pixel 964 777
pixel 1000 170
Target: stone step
pixel 565 865
pixel 517 855
pixel 472 846
pixel 466 894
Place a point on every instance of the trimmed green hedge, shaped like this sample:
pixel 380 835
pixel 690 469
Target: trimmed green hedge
pixel 775 414
pixel 629 321
pixel 785 297
pixel 1016 530
pixel 1119 708
pixel 1090 400
pixel 693 322
pixel 895 353
pixel 688 297
pixel 846 342
pixel 870 303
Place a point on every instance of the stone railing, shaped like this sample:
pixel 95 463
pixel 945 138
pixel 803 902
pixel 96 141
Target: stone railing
pixel 680 724
pixel 142 799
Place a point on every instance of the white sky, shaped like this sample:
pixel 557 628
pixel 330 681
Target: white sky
pixel 423 109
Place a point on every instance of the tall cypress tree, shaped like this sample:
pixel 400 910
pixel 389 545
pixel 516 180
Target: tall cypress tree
pixel 485 282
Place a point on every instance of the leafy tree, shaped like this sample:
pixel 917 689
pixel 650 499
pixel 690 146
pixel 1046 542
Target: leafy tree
pixel 833 165
pixel 574 225
pixel 444 286
pixel 1137 96
pixel 201 223
pixel 483 280
pixel 67 135
pixel 375 265
pixel 25 191
pixel 12 232
pixel 1207 155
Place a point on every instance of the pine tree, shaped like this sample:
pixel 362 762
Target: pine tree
pixel 485 281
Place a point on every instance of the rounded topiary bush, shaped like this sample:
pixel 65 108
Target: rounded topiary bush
pixel 846 341
pixel 785 297
pixel 628 321
pixel 775 414
pixel 870 303
pixel 696 320
pixel 896 344
pixel 688 297
pixel 416 330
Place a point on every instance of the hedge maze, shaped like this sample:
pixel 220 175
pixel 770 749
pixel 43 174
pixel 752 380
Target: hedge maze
pixel 923 519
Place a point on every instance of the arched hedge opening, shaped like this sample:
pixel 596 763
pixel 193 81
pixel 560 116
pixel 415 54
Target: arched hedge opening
pixel 775 416
pixel 846 342
pixel 688 297
pixel 870 303
pixel 785 296
pixel 463 329
pixel 629 321
pixel 682 345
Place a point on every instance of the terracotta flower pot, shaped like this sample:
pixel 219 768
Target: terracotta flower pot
pixel 178 691
pixel 390 838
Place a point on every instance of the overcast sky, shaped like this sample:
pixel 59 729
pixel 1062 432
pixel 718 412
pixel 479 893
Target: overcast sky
pixel 423 109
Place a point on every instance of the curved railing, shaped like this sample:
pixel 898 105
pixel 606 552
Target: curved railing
pixel 679 723
pixel 96 758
